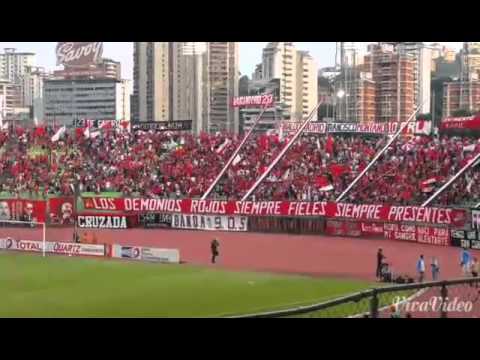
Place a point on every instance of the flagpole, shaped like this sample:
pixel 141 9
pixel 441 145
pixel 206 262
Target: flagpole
pixel 234 155
pixel 282 153
pixel 449 182
pixel 357 179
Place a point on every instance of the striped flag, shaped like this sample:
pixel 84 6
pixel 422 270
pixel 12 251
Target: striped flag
pixel 326 188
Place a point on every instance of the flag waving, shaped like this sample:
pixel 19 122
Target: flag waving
pixel 59 133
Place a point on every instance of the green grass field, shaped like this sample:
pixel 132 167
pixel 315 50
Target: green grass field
pixel 31 286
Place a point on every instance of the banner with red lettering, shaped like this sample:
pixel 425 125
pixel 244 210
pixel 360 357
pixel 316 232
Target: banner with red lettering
pixel 420 234
pixel 61 211
pixel 384 213
pixel 23 210
pixel 469 122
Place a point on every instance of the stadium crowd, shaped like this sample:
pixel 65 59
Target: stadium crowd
pixel 161 164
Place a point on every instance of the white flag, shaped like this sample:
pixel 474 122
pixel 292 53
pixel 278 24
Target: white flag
pixel 286 175
pixel 223 146
pixel 86 133
pixel 59 134
pixel 237 159
pixel 469 147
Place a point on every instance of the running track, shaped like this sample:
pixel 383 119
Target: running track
pixel 313 255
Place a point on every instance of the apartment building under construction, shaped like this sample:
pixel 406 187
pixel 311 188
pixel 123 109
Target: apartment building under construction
pixel 394 78
pixel 360 101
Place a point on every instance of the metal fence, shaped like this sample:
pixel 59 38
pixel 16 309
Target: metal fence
pixel 442 299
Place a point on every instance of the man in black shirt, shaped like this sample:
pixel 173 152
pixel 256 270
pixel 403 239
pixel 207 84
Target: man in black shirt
pixel 380 258
pixel 214 248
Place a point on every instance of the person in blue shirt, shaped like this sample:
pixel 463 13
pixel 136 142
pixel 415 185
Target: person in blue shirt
pixel 465 260
pixel 421 268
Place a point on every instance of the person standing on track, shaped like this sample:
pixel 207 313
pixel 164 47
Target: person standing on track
pixel 214 249
pixel 435 269
pixel 380 258
pixel 421 269
pixel 465 262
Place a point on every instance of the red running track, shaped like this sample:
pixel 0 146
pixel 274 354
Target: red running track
pixel 313 255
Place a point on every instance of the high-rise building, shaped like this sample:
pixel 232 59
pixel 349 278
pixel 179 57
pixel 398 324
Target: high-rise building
pixel 10 99
pixel 151 89
pixel 187 81
pixel 362 106
pixel 223 73
pixel 297 73
pixel 422 63
pixel 307 85
pixel 32 91
pixel 394 75
pixel 13 65
pixel 98 99
pixel 460 95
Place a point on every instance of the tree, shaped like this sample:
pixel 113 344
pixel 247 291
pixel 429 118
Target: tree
pixel 462 113
pixel 424 116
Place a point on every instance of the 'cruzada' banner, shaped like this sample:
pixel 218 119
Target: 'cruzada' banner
pixel 386 213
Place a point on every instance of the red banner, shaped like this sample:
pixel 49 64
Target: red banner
pixel 23 210
pixel 343 228
pixel 421 234
pixel 61 211
pixel 371 229
pixel 386 213
pixel 470 122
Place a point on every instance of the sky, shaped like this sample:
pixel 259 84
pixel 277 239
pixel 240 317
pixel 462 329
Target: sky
pixel 250 53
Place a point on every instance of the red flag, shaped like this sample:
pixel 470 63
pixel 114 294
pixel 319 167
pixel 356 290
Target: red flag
pixel 329 145
pixel 339 170
pixel 321 181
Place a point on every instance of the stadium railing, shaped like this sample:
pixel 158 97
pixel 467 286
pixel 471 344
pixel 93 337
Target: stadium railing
pixel 442 299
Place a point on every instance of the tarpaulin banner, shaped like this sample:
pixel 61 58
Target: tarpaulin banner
pixel 469 123
pixel 371 228
pixel 209 222
pixel 53 247
pixel 177 125
pixel 162 221
pixel 61 211
pixel 420 127
pixel 420 234
pixel 384 213
pixel 343 228
pixel 92 220
pixel 171 256
pixel 23 210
